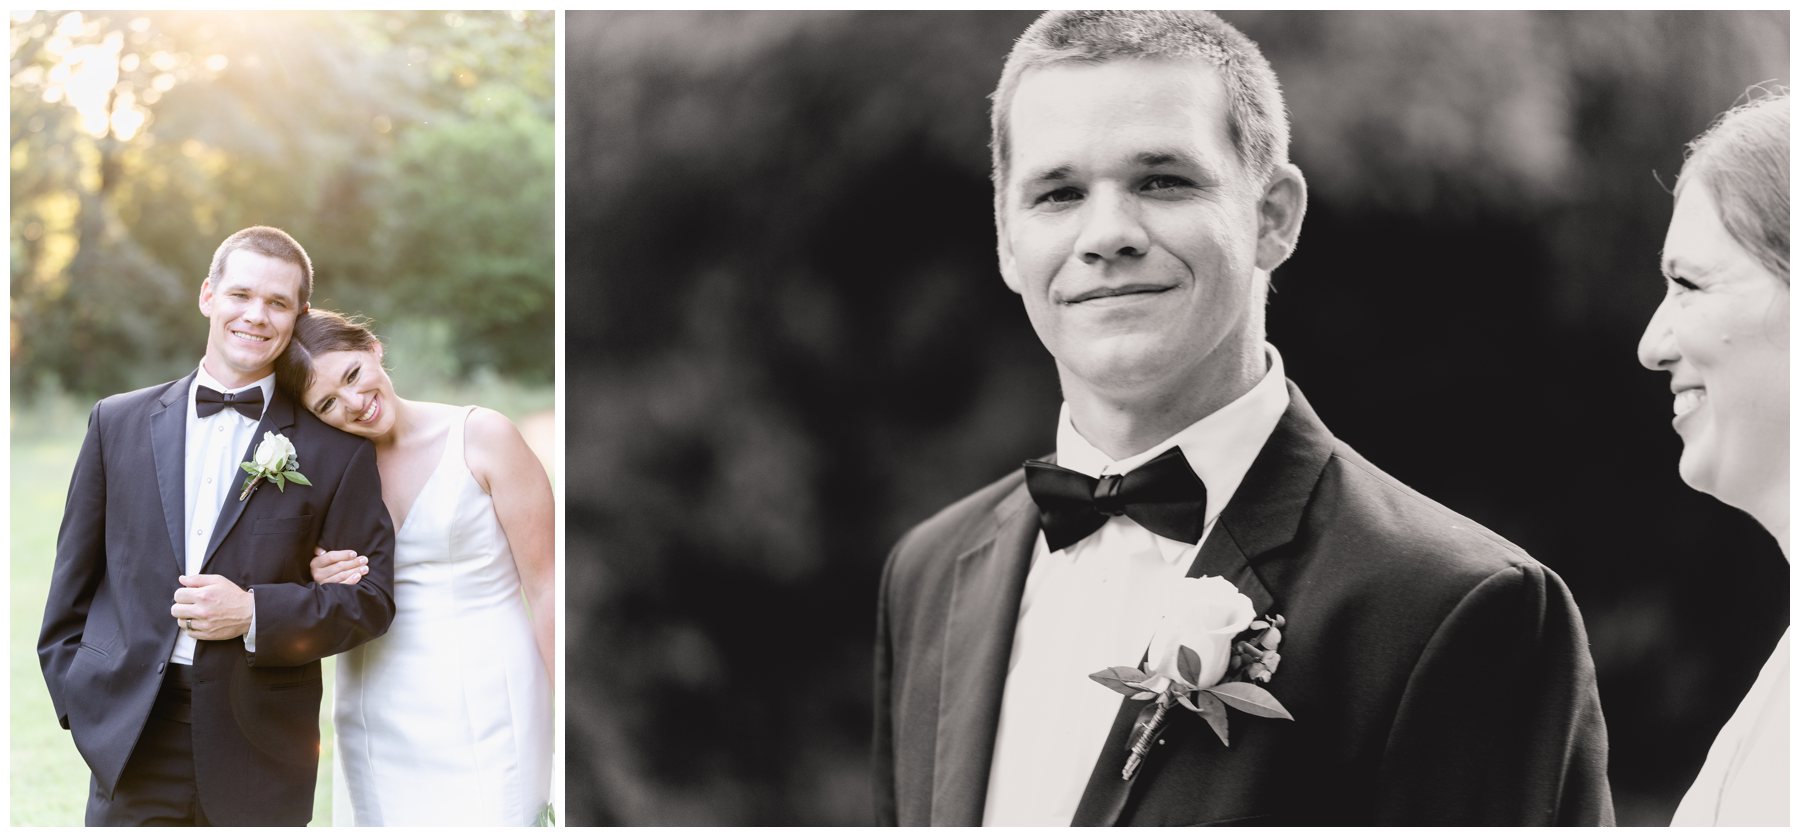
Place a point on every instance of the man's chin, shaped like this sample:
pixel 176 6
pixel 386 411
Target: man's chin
pixel 1118 366
pixel 256 367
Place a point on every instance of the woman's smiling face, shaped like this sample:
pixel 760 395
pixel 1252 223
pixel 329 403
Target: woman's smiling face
pixel 351 392
pixel 1721 333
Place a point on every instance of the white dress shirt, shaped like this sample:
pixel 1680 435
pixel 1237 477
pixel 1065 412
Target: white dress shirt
pixel 1083 610
pixel 215 446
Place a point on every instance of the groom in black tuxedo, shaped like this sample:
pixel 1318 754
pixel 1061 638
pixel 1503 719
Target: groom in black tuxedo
pixel 1435 673
pixel 183 633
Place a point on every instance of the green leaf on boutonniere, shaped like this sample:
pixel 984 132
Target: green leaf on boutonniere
pixel 1187 662
pixel 1251 699
pixel 296 478
pixel 280 484
pixel 248 467
pixel 1121 679
pixel 1209 707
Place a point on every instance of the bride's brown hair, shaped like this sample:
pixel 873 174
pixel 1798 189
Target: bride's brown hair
pixel 319 332
pixel 1743 160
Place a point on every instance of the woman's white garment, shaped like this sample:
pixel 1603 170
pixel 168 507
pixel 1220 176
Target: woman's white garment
pixel 446 719
pixel 1745 778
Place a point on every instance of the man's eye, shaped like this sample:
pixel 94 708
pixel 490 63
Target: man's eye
pixel 1683 283
pixel 1067 194
pixel 1166 181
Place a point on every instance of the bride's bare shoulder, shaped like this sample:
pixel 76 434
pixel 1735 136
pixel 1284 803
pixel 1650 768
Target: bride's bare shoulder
pixel 494 446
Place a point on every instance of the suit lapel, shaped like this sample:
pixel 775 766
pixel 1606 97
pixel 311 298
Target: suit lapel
pixel 984 611
pixel 278 418
pixel 1263 515
pixel 168 449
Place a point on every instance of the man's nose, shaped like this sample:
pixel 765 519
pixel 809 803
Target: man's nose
pixel 1111 228
pixel 1656 349
pixel 256 311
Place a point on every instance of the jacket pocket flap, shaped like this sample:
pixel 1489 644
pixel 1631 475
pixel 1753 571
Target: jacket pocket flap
pixel 282 525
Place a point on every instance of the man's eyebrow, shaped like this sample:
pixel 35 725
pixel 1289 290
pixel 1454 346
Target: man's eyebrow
pixel 1054 173
pixel 1146 159
pixel 1165 158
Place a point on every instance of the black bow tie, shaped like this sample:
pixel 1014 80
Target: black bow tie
pixel 248 403
pixel 1162 495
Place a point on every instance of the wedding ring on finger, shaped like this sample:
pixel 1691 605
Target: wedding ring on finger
pixel 189 623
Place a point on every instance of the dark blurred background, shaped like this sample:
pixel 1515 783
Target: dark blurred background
pixel 788 342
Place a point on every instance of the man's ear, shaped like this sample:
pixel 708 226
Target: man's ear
pixel 1279 213
pixel 206 296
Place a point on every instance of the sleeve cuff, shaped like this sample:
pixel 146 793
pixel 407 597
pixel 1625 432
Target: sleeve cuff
pixel 250 635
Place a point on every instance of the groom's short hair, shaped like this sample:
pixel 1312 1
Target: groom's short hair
pixel 267 241
pixel 1255 113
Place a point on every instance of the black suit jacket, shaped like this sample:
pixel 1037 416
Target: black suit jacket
pixel 1435 672
pixel 107 632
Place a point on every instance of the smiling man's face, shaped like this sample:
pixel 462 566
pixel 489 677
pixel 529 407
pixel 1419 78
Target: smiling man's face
pixel 252 308
pixel 1130 227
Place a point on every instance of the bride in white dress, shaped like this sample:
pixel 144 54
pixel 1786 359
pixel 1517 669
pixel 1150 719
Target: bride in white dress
pixel 1722 335
pixel 447 718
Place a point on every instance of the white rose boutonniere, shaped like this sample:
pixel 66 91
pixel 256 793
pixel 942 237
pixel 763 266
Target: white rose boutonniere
pixel 1208 652
pixel 276 461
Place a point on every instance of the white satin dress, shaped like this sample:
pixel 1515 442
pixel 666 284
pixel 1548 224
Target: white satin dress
pixel 447 718
pixel 1745 778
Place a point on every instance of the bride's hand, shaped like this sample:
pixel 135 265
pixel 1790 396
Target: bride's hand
pixel 342 566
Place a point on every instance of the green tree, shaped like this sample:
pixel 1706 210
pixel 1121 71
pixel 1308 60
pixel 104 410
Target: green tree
pixel 142 139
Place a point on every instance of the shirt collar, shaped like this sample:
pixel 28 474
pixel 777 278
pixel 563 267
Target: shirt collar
pixel 205 379
pixel 1220 447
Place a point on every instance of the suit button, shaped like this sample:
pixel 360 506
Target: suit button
pixel 160 667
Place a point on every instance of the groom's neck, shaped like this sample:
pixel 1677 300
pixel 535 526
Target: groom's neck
pixel 230 378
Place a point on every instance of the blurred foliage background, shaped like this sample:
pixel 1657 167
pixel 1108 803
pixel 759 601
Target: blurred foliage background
pixel 413 154
pixel 789 343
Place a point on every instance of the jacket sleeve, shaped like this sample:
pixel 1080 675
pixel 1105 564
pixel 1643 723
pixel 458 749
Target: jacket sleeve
pixel 1500 722
pixel 300 623
pixel 80 566
pixel 886 807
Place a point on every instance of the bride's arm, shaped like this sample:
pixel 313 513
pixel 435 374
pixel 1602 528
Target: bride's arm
pixel 513 476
